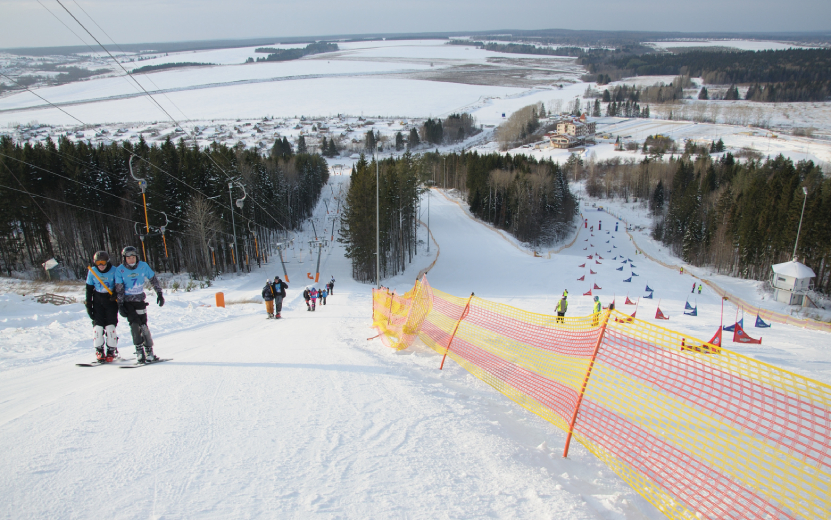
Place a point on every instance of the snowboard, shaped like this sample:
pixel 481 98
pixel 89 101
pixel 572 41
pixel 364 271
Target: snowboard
pixel 119 362
pixel 139 365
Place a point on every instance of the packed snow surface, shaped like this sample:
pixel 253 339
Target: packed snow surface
pixel 305 418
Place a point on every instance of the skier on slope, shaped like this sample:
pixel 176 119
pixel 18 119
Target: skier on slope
pixel 307 296
pixel 102 307
pixel 596 311
pixel 332 286
pixel 322 295
pixel 129 286
pixel 268 298
pixel 279 287
pixel 562 307
pixel 313 296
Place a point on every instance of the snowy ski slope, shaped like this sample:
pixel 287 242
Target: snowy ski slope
pixel 305 418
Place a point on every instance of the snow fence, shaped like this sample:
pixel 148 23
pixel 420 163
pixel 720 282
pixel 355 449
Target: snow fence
pixel 699 431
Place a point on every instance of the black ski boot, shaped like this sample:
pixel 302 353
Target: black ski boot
pixel 150 357
pixel 140 359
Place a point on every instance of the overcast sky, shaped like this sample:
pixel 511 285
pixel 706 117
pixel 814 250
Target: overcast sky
pixel 28 23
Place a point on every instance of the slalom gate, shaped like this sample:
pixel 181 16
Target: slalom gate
pixel 697 430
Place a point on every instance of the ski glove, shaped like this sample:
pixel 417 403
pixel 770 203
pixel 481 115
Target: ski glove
pixel 160 299
pixel 122 311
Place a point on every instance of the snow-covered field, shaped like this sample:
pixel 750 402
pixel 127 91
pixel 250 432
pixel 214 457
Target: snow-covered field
pixel 744 45
pixel 398 84
pixel 304 417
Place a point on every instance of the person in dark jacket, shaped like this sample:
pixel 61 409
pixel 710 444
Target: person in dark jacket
pixel 268 298
pixel 332 286
pixel 279 287
pixel 102 307
pixel 307 296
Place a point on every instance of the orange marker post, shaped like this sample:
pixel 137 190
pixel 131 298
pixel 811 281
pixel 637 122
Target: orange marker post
pixel 464 314
pixel 586 382
pixel 220 299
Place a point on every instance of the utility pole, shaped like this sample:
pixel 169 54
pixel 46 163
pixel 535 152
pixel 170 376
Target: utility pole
pixel 377 222
pixel 233 222
pixel 428 218
pixel 804 192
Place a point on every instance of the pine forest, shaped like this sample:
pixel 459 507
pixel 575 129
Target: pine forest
pixel 68 200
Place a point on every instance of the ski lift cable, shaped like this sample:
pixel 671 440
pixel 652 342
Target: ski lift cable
pixel 27 192
pixel 117 62
pixel 122 50
pixel 158 104
pixel 110 215
pixel 64 24
pixel 145 91
pixel 102 191
pixel 43 99
pixel 81 39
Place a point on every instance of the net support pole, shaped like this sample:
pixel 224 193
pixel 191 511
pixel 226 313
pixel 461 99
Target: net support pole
pixel 586 381
pixel 389 318
pixel 464 313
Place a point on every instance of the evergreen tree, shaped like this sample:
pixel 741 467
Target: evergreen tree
pixel 732 93
pixel 399 142
pixel 656 202
pixel 301 145
pixel 606 97
pixel 370 142
pixel 596 112
pixel 702 94
pixel 413 140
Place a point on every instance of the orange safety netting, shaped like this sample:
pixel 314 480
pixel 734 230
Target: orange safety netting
pixel 699 431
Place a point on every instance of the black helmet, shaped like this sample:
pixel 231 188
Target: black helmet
pixel 101 256
pixel 129 251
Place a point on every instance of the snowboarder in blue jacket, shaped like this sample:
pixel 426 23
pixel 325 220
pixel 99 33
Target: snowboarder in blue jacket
pixel 129 285
pixel 102 307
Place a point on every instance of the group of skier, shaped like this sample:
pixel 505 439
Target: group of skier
pixel 273 294
pixel 311 294
pixel 113 291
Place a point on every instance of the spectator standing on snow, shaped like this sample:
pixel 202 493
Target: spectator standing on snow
pixel 323 293
pixel 693 289
pixel 279 287
pixel 307 295
pixel 562 307
pixel 129 287
pixel 332 286
pixel 313 296
pixel 596 311
pixel 102 307
pixel 268 298
pixel 699 288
